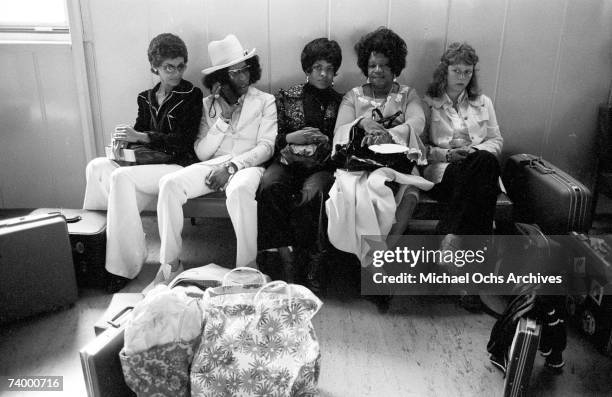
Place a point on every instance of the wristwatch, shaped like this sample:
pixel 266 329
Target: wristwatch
pixel 231 168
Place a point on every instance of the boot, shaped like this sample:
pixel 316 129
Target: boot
pixel 286 255
pixel 318 253
pixel 316 262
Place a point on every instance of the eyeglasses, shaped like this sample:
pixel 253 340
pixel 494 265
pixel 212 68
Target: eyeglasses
pixel 323 69
pixel 462 73
pixel 169 68
pixel 234 73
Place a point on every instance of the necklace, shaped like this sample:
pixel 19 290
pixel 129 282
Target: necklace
pixel 381 105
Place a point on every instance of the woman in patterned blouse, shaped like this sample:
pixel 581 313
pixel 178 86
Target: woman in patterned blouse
pixel 294 187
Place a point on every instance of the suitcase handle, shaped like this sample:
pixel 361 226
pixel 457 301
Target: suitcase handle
pixel 113 321
pixel 72 219
pixel 539 166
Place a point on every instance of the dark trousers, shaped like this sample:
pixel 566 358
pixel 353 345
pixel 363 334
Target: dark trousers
pixel 470 188
pixel 290 207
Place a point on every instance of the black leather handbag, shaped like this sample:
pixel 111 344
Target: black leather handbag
pixel 355 157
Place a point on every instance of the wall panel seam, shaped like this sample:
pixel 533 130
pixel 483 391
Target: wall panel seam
pixel 44 134
pixel 207 23
pixel 555 79
pixel 329 11
pixel 79 62
pixel 269 40
pixel 502 42
pixel 446 27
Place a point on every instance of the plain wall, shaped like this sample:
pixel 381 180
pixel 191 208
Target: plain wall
pixel 546 64
pixel 42 155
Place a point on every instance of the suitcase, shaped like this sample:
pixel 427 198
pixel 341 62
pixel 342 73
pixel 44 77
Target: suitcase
pixel 545 195
pixel 593 310
pixel 101 365
pixel 87 230
pixel 120 303
pixel 522 355
pixel 527 249
pixel 36 269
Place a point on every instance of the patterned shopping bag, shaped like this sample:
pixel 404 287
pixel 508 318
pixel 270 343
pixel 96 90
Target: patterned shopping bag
pixel 160 370
pixel 160 341
pixel 257 341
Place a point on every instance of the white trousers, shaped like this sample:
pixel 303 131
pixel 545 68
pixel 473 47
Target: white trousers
pixel 124 192
pixel 176 188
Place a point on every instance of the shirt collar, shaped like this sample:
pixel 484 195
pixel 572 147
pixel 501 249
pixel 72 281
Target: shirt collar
pixel 445 102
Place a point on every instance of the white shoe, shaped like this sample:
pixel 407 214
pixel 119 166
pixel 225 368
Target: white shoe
pixel 451 243
pixel 165 274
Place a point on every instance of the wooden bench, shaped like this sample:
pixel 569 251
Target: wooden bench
pixel 213 206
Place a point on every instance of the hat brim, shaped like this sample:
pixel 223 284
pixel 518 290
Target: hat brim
pixel 235 61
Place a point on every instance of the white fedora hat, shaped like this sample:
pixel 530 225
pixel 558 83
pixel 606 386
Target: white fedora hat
pixel 226 52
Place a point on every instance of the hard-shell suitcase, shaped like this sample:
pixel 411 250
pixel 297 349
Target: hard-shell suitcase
pixel 544 194
pixel 87 230
pixel 593 310
pixel 101 365
pixel 120 303
pixel 522 354
pixel 36 269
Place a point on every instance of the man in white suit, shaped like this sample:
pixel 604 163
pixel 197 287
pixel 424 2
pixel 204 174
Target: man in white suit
pixel 236 137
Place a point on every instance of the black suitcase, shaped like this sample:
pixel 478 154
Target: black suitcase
pixel 36 269
pixel 100 362
pixel 87 230
pixel 544 194
pixel 593 310
pixel 119 304
pixel 521 357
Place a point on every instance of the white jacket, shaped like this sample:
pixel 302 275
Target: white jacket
pixel 252 137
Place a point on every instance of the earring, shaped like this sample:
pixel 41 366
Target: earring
pixel 395 79
pixel 307 79
pixel 368 80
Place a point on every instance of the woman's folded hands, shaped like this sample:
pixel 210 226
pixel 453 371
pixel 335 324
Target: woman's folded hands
pixel 306 136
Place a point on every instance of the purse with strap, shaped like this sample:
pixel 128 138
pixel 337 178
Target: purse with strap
pixel 355 157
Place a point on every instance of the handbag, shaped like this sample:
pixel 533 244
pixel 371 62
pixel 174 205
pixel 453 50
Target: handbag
pixel 258 340
pixel 135 154
pixel 355 157
pixel 307 156
pixel 145 155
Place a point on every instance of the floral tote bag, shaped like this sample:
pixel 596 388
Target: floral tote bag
pixel 258 340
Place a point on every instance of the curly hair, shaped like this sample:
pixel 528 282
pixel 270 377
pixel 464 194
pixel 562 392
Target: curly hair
pixel 455 53
pixel 383 41
pixel 166 46
pixel 321 49
pixel 221 76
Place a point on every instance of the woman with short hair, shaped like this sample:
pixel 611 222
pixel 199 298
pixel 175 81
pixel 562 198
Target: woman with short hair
pixel 292 192
pixel 168 119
